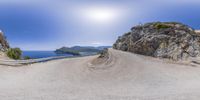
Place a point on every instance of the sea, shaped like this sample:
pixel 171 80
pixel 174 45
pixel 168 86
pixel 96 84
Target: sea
pixel 43 54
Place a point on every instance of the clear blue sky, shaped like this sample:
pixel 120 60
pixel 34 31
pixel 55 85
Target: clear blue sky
pixel 50 24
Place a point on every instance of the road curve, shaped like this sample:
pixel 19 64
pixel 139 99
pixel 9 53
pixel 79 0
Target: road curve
pixel 120 76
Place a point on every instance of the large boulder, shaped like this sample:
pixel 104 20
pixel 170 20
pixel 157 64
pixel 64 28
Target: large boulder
pixel 161 39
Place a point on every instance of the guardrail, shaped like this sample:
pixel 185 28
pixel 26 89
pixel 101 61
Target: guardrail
pixel 31 61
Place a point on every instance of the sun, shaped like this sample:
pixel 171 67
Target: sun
pixel 100 15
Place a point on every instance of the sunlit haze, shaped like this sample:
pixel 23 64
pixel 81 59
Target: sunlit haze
pixel 100 15
pixel 48 25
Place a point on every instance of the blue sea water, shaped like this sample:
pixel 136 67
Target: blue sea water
pixel 43 54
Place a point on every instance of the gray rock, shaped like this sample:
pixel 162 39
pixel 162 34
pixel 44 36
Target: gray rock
pixel 104 53
pixel 3 42
pixel 161 39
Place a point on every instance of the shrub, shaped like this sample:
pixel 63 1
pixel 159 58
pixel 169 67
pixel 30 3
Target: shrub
pixel 161 26
pixel 27 57
pixel 14 53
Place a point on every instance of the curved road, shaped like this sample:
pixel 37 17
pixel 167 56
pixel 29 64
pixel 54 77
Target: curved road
pixel 121 76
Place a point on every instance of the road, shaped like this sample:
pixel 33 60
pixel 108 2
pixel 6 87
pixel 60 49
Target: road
pixel 121 76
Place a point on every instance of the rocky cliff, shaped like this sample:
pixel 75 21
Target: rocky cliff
pixel 3 42
pixel 161 39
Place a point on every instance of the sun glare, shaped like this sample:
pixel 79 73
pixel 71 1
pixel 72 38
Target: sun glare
pixel 100 15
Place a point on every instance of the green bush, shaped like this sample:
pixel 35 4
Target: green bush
pixel 14 53
pixel 27 57
pixel 161 26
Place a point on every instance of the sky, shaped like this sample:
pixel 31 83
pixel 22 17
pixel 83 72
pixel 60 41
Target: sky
pixel 51 24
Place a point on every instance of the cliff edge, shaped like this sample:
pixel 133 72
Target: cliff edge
pixel 171 40
pixel 4 46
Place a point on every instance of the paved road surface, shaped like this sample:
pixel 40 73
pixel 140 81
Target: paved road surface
pixel 122 76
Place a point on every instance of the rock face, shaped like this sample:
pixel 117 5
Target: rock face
pixel 161 39
pixel 3 42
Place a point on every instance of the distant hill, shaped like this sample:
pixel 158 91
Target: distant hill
pixel 103 47
pixel 81 50
pixel 67 50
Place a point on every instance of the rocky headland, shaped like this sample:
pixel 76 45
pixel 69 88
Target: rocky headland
pixel 3 42
pixel 4 46
pixel 171 40
pixel 81 50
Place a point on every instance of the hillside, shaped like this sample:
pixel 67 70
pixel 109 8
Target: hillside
pixel 170 40
pixel 3 42
pixel 3 46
